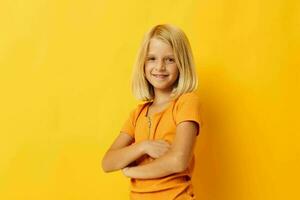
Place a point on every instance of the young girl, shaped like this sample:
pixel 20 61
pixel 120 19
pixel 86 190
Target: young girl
pixel 155 147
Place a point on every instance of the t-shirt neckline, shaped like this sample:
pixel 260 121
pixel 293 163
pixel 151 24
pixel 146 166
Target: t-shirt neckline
pixel 157 113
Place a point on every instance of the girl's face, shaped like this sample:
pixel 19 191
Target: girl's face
pixel 160 67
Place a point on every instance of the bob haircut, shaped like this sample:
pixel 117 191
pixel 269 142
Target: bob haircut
pixel 187 79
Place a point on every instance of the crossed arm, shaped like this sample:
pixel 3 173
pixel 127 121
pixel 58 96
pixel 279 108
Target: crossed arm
pixel 175 160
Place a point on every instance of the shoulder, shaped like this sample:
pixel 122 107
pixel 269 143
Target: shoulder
pixel 188 108
pixel 135 111
pixel 189 96
pixel 187 102
pixel 141 105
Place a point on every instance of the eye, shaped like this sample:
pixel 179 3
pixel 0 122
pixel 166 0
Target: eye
pixel 170 60
pixel 150 58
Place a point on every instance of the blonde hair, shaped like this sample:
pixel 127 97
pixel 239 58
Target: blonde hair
pixel 176 38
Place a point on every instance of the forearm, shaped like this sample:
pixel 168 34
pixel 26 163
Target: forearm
pixel 119 158
pixel 163 166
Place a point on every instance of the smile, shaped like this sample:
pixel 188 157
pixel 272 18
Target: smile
pixel 160 76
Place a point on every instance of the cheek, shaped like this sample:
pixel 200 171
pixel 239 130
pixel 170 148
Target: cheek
pixel 147 71
pixel 175 70
pixel 149 66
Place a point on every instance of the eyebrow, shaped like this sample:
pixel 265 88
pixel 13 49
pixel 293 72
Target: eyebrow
pixel 170 55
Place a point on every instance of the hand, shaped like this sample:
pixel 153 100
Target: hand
pixel 125 171
pixel 156 148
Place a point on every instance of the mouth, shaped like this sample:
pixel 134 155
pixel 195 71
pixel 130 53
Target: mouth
pixel 161 76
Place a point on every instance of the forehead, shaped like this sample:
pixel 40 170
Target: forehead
pixel 157 46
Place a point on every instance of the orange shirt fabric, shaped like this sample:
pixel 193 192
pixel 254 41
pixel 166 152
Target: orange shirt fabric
pixel 163 126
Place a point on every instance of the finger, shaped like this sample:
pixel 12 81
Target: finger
pixel 161 145
pixel 163 142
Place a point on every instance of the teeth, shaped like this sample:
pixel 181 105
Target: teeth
pixel 160 75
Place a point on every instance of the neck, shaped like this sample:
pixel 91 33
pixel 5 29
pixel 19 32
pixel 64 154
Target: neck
pixel 161 97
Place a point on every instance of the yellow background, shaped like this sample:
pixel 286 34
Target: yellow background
pixel 65 71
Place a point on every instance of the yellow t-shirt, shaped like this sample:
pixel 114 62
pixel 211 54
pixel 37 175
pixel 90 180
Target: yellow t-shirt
pixel 163 126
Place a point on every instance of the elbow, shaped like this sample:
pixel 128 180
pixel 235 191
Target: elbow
pixel 105 166
pixel 179 165
pixel 108 165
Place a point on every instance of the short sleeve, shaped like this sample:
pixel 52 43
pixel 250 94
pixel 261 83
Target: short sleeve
pixel 188 109
pixel 128 126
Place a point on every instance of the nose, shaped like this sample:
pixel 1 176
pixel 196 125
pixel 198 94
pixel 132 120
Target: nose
pixel 160 65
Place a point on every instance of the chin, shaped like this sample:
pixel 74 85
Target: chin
pixel 160 87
